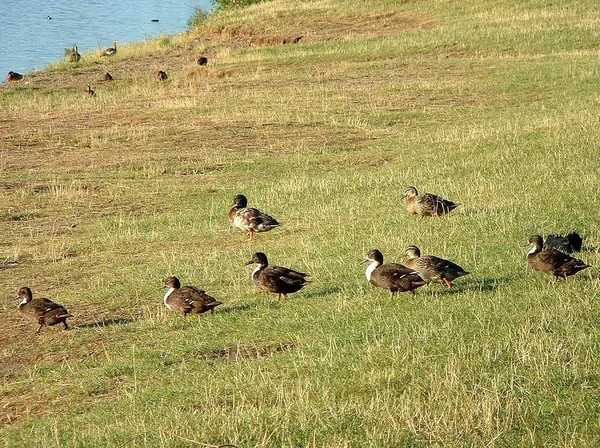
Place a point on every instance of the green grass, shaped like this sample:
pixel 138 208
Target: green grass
pixel 491 104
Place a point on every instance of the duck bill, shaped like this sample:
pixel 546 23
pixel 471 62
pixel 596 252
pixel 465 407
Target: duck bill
pixel 249 262
pixel 527 244
pixel 366 260
pixel 403 197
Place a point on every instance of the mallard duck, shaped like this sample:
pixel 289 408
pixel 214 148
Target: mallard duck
pixel 433 269
pixel 14 76
pixel 276 279
pixel 570 243
pixel 74 56
pixel 110 51
pixel 162 75
pixel 391 276
pixel 41 311
pixel 108 77
pixel 90 92
pixel 552 261
pixel 250 220
pixel 188 299
pixel 202 60
pixel 426 204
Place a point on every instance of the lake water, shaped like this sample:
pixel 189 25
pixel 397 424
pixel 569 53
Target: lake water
pixel 31 41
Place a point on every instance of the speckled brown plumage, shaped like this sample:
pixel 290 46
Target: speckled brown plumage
pixel 552 261
pixel 250 220
pixel 426 204
pixel 41 311
pixel 276 279
pixel 391 276
pixel 188 299
pixel 432 268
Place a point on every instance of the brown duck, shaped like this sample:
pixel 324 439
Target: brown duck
pixel 110 51
pixel 162 76
pixel 552 261
pixel 14 76
pixel 433 269
pixel 250 220
pixel 426 204
pixel 41 311
pixel 391 276
pixel 74 56
pixel 188 299
pixel 276 279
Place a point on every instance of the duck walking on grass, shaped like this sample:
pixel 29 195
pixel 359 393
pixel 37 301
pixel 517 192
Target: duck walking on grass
pixel 110 51
pixel 426 204
pixel 391 276
pixel 433 269
pixel 276 279
pixel 41 311
pixel 188 299
pixel 250 220
pixel 552 261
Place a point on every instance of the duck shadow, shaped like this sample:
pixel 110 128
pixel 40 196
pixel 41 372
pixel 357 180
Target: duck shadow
pixel 106 322
pixel 233 309
pixel 482 285
pixel 321 292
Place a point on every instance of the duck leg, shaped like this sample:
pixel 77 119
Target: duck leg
pixel 65 324
pixel 447 282
pixel 250 235
pixel 39 329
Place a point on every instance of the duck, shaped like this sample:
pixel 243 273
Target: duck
pixel 188 299
pixel 108 77
pixel 391 276
pixel 276 279
pixel 14 76
pixel 41 311
pixel 202 60
pixel 433 269
pixel 250 220
pixel 426 204
pixel 90 92
pixel 570 243
pixel 162 75
pixel 552 261
pixel 110 51
pixel 74 56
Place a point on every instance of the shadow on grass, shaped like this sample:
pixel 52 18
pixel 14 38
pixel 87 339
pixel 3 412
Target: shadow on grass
pixel 483 285
pixel 233 309
pixel 106 323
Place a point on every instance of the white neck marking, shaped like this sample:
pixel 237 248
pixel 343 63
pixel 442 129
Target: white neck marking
pixel 167 294
pixel 24 301
pixel 532 251
pixel 370 269
pixel 256 269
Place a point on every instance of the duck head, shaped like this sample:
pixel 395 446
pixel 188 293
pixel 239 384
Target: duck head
pixel 374 255
pixel 537 242
pixel 25 295
pixel 410 192
pixel 413 252
pixel 259 258
pixel 239 200
pixel 172 282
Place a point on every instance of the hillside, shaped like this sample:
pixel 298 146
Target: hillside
pixel 493 104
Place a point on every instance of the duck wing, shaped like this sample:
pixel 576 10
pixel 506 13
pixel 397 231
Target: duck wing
pixel 395 276
pixel 258 220
pixel 46 311
pixel 436 268
pixel 190 299
pixel 437 204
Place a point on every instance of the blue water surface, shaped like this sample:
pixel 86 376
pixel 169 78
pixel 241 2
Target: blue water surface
pixel 30 41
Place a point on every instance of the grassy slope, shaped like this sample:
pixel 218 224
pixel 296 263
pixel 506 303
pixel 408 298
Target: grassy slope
pixel 493 104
